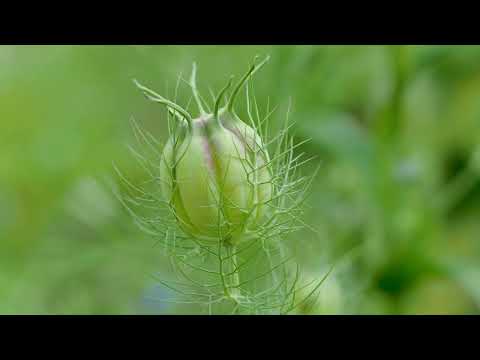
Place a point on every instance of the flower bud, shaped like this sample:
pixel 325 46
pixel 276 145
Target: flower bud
pixel 214 172
pixel 217 179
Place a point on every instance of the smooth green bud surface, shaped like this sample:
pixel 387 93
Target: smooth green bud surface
pixel 217 179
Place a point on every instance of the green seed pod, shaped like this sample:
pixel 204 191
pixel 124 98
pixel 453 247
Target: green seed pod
pixel 217 181
pixel 214 172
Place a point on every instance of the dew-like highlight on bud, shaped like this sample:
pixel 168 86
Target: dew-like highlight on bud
pixel 221 198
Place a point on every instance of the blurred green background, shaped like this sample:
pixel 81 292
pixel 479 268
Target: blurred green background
pixel 395 206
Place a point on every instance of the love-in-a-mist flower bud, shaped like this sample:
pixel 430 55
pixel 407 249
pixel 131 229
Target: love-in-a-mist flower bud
pixel 214 173
pixel 217 183
pixel 226 204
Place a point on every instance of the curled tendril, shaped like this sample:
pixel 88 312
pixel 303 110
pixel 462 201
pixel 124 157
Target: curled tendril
pixel 174 108
pixel 193 85
pixel 253 69
pixel 219 99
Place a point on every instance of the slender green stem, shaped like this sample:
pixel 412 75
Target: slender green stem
pixel 175 109
pixel 253 69
pixel 193 85
pixel 219 99
pixel 234 277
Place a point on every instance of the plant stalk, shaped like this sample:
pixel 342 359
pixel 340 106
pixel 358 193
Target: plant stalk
pixel 233 279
